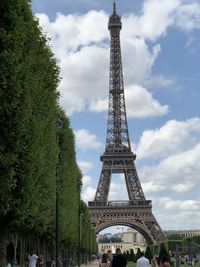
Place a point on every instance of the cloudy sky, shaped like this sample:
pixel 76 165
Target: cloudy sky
pixel 160 42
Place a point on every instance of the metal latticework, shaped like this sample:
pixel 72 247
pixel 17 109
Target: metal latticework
pixel 134 214
pixel 118 158
pixel 117 132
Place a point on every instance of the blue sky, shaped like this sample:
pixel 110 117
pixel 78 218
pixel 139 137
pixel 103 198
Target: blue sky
pixel 160 42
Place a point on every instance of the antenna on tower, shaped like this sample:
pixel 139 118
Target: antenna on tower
pixel 114 7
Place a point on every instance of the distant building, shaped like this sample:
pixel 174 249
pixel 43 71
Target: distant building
pixel 131 239
pixel 183 233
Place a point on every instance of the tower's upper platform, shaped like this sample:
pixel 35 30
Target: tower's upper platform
pixel 114 20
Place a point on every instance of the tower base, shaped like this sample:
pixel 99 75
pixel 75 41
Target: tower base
pixel 135 214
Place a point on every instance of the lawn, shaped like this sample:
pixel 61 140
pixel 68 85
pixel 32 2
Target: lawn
pixel 131 264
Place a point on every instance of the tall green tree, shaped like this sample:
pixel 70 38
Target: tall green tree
pixel 30 141
pixel 138 253
pixel 128 255
pixel 163 252
pixel 132 255
pixel 148 253
pixel 69 184
pixel 28 97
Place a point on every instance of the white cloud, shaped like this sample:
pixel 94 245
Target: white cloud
pixel 183 187
pixel 178 214
pixel 84 77
pixel 138 59
pixel 88 194
pixel 151 187
pixel 141 104
pixel 87 180
pixel 186 205
pixel 70 32
pixel 118 191
pixel 177 174
pixel 85 140
pixel 85 166
pixel 159 81
pixel 173 137
pixel 157 16
pixel 188 16
pixel 99 105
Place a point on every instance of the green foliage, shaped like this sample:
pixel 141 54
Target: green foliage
pixel 155 249
pixel 29 140
pixel 131 264
pixel 163 252
pixel 128 255
pixel 112 239
pixel 69 174
pixel 132 255
pixel 148 253
pixel 28 96
pixel 88 237
pixel 138 253
pixel 171 244
pixel 196 240
pixel 174 237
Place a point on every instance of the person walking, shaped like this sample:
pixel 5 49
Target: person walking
pixel 110 257
pixel 104 261
pixel 32 259
pixel 142 261
pixel 164 262
pixel 154 262
pixel 119 260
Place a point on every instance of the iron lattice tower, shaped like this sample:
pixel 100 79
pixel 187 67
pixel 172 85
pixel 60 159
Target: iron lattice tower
pixel 118 158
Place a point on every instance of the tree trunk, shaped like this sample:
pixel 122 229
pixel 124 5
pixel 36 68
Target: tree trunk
pixel 15 242
pixel 3 245
pixel 22 252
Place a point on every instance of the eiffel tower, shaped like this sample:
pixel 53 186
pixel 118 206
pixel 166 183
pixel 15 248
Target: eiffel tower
pixel 118 158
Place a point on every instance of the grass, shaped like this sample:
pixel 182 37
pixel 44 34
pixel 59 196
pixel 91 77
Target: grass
pixel 131 264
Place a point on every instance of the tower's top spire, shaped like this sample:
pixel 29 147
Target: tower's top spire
pixel 114 7
pixel 114 20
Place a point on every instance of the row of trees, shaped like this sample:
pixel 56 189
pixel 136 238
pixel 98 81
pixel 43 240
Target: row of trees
pixel 30 142
pixel 112 239
pixel 150 252
pixel 184 245
pixel 175 246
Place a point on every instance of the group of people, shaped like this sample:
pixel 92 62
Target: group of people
pixel 119 260
pixel 144 262
pixel 34 260
pixel 108 260
pixel 37 261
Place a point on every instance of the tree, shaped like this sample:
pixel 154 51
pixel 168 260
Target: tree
pixel 132 256
pixel 148 253
pixel 128 255
pixel 138 253
pixel 29 140
pixel 69 185
pixel 174 237
pixel 28 96
pixel 163 252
